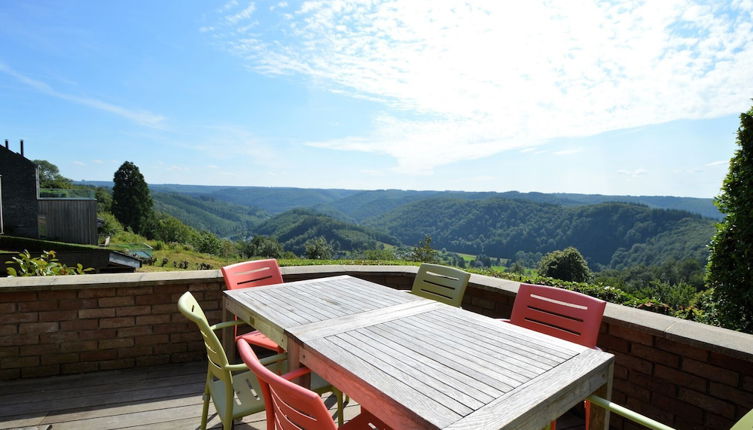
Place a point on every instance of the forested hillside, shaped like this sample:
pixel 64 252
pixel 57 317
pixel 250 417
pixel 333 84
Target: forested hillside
pixel 294 228
pixel 502 227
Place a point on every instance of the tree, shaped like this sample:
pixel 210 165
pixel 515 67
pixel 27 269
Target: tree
pixel 730 268
pixel 423 252
pixel 318 249
pixel 261 246
pixel 131 200
pixel 565 265
pixel 50 177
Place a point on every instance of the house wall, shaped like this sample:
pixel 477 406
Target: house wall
pixel 19 194
pixel 684 374
pixel 69 220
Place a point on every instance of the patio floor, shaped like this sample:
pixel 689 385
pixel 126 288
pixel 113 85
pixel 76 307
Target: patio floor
pixel 161 397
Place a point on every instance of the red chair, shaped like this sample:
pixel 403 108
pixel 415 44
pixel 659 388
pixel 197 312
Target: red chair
pixel 253 274
pixel 564 314
pixel 292 407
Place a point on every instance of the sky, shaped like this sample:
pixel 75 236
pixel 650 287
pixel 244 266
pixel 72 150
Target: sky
pixel 604 97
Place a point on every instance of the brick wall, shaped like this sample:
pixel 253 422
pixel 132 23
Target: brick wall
pixel 681 373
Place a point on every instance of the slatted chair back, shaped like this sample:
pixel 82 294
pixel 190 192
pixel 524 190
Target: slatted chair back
pixel 565 314
pixel 441 283
pixel 288 406
pixel 190 308
pixel 252 274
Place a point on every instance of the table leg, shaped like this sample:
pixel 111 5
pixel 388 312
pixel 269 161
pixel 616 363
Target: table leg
pixel 294 362
pixel 228 341
pixel 599 417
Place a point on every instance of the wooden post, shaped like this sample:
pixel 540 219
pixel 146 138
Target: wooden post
pixel 599 417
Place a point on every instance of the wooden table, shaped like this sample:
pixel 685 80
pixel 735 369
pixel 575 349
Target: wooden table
pixel 416 363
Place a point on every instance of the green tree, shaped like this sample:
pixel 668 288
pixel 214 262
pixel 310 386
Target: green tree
pixel 565 265
pixel 730 266
pixel 319 249
pixel 131 200
pixel 261 246
pixel 208 243
pixel 50 177
pixel 423 252
pixel 109 226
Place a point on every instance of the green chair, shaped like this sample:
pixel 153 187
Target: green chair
pixel 745 423
pixel 234 390
pixel 441 283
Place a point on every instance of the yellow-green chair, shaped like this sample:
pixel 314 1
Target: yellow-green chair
pixel 441 283
pixel 234 390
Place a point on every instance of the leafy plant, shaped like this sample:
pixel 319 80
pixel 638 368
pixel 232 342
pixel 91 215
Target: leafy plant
pixel 44 265
pixel 568 265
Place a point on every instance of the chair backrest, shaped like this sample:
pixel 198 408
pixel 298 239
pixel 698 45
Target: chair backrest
pixel 252 274
pixel 190 308
pixel 441 283
pixel 565 314
pixel 745 423
pixel 288 405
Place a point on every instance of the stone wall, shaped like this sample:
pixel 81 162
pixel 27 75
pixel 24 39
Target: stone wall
pixel 681 373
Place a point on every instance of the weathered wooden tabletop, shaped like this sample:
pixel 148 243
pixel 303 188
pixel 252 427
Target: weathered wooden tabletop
pixel 416 363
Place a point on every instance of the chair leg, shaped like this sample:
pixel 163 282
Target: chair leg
pixel 587 407
pixel 205 408
pixel 340 406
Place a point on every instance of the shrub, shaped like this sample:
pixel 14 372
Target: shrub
pixel 44 265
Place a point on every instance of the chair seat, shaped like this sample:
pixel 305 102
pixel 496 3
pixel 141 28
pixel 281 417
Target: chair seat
pixel 257 338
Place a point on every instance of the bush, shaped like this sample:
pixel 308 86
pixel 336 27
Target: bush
pixel 44 265
pixel 110 226
pixel 567 265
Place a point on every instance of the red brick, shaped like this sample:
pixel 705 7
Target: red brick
pixel 681 349
pixel 710 372
pixel 691 412
pixel 60 294
pixel 6 363
pixel 19 339
pixel 152 360
pixel 135 291
pixel 88 345
pixel 17 296
pixel 116 322
pixel 714 421
pixel 632 335
pixel 96 334
pixel 96 313
pixel 99 355
pixel 116 364
pixel 40 371
pixel 613 344
pixel 154 299
pixel 174 328
pixel 202 287
pixel 9 351
pixel 116 343
pixel 7 329
pixel 655 355
pixel 58 337
pixel 706 402
pixel 36 328
pixel 636 391
pixel 182 357
pixel 9 374
pixel 58 316
pixel 115 301
pixel 134 331
pixel 79 325
pixel 634 363
pixel 18 317
pixel 653 384
pixel 620 372
pixel 170 289
pixel 748 383
pixel 169 348
pixel 214 315
pixel 674 376
pixel 169 308
pixel 76 304
pixel 184 337
pixel 725 392
pixel 70 357
pixel 46 305
pixel 47 348
pixel 152 339
pixel 138 351
pixel 152 319
pixel 731 363
pixel 80 367
pixel 96 293
pixel 7 308
pixel 651 411
pixel 133 310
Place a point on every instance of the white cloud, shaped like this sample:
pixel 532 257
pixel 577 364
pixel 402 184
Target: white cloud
pixel 633 173
pixel 717 163
pixel 139 116
pixel 485 77
pixel 569 151
pixel 79 163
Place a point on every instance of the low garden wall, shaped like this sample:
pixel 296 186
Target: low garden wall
pixel 681 373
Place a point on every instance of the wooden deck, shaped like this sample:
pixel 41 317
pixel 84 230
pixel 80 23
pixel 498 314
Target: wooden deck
pixel 162 397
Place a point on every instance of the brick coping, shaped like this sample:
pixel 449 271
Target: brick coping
pixel 703 336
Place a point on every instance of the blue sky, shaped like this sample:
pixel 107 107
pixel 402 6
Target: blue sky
pixel 632 97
